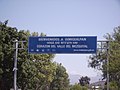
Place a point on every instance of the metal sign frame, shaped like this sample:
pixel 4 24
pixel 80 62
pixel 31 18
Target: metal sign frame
pixel 107 61
pixel 16 52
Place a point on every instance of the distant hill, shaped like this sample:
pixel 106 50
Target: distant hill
pixel 95 79
pixel 74 78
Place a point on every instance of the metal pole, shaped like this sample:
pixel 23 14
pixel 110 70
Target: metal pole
pixel 15 65
pixel 107 65
pixel 107 61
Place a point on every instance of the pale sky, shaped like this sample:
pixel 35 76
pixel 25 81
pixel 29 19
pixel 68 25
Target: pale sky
pixel 64 18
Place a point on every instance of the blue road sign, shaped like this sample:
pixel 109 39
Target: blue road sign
pixel 66 44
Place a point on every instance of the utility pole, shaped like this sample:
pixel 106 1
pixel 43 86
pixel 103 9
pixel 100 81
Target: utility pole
pixel 15 61
pixel 15 65
pixel 107 65
pixel 107 60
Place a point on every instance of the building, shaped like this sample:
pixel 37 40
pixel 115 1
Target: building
pixel 97 85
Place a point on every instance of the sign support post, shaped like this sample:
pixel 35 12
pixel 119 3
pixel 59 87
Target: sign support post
pixel 107 65
pixel 15 65
pixel 107 60
pixel 15 61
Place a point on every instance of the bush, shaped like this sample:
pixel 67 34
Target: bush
pixel 76 87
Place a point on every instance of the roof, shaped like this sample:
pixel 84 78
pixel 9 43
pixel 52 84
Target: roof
pixel 99 83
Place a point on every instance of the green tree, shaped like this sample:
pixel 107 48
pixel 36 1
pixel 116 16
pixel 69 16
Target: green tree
pixel 99 61
pixel 35 72
pixel 84 88
pixel 84 81
pixel 7 35
pixel 60 81
pixel 76 87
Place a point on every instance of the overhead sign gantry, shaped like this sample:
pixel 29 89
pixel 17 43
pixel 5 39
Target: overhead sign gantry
pixel 66 44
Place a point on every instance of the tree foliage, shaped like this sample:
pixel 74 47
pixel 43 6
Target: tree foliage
pixel 76 87
pixel 7 35
pixel 99 61
pixel 35 71
pixel 60 81
pixel 84 81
